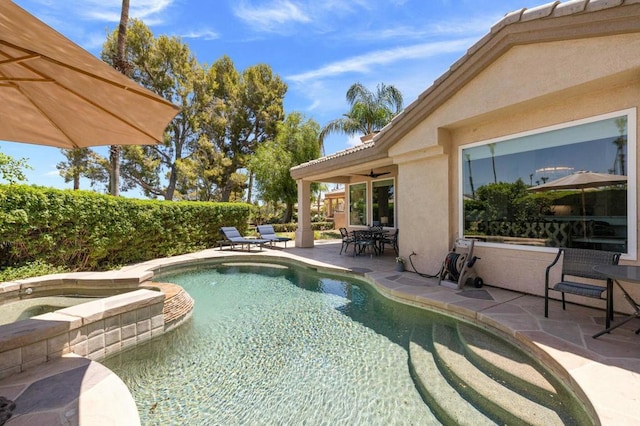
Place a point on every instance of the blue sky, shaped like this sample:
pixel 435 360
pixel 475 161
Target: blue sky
pixel 319 48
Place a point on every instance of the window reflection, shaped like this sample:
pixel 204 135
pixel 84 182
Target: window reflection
pixel 383 202
pixel 511 191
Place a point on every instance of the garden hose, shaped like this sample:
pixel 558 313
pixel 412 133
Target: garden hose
pixel 419 273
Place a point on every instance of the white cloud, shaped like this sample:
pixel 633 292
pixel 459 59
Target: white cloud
pixel 204 34
pixel 315 104
pixel 457 27
pixel 86 21
pixel 272 16
pixel 109 10
pixel 363 63
pixel 106 10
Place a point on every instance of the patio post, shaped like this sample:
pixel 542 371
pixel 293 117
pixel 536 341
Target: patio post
pixel 304 233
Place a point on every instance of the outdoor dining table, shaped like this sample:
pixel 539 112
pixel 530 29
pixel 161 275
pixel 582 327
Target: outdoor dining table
pixel 370 237
pixel 617 273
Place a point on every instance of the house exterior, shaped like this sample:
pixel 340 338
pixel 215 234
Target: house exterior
pixel 334 207
pixel 548 92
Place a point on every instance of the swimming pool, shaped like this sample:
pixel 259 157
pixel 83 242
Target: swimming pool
pixel 283 345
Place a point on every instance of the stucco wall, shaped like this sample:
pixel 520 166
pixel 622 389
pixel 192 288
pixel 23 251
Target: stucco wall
pixel 530 87
pixel 423 220
pixel 528 264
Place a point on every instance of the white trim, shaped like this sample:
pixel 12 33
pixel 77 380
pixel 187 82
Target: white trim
pixel 632 185
pixel 366 200
pixel 632 182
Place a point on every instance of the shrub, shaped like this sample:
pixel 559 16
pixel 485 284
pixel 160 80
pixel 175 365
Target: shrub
pixel 291 227
pixel 30 269
pixel 83 230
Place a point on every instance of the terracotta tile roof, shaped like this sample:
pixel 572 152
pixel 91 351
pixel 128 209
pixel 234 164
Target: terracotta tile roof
pixel 361 147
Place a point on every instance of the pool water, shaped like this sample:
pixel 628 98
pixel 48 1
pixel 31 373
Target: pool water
pixel 27 308
pixel 279 346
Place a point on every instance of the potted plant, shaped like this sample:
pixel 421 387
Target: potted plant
pixel 400 264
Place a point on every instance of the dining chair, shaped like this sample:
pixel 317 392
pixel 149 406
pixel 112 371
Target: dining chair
pixel 391 240
pixel 346 239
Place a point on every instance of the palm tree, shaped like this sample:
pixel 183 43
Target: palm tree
pixel 620 143
pixel 120 63
pixel 369 113
pixel 492 148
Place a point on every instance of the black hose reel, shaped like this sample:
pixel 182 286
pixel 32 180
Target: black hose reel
pixel 458 266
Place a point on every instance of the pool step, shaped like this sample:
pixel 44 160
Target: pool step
pixel 505 405
pixel 448 405
pixel 505 363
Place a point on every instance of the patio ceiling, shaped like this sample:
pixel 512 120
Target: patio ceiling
pixel 342 166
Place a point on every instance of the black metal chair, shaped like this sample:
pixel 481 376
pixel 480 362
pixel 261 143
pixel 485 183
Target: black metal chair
pixel 579 263
pixel 391 240
pixel 365 240
pixel 346 239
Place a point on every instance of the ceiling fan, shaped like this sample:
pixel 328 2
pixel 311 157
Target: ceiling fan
pixel 374 175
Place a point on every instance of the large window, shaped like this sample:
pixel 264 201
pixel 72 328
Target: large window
pixel 383 193
pixel 358 204
pixel 379 209
pixel 564 186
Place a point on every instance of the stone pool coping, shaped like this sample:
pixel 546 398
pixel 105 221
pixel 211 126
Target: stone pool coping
pixel 605 371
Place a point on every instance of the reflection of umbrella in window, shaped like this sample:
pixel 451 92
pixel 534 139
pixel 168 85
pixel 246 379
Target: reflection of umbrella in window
pixel 581 180
pixel 55 93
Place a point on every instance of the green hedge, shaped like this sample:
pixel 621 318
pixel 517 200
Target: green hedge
pixel 291 227
pixel 86 231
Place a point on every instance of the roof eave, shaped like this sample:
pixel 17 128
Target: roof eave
pixel 525 26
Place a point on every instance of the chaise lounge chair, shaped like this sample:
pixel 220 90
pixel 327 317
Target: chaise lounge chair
pixel 233 237
pixel 268 233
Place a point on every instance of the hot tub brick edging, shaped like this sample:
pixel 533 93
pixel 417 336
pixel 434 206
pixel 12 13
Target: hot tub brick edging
pixel 178 304
pixel 93 330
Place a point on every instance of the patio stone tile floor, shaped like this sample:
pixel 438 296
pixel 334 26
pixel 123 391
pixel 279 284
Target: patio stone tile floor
pixel 606 370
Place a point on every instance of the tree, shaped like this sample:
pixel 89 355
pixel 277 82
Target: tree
pixel 167 67
pixel 244 112
pixel 492 148
pixel 620 142
pixel 224 116
pixel 82 162
pixel 295 143
pixel 12 170
pixel 317 196
pixel 369 112
pixel 121 64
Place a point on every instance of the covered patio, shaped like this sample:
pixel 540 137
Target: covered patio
pixel 369 176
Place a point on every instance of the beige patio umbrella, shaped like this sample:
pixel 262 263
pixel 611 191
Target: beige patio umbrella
pixel 53 92
pixel 581 180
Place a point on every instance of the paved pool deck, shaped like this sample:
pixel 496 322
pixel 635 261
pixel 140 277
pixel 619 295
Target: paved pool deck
pixel 605 370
